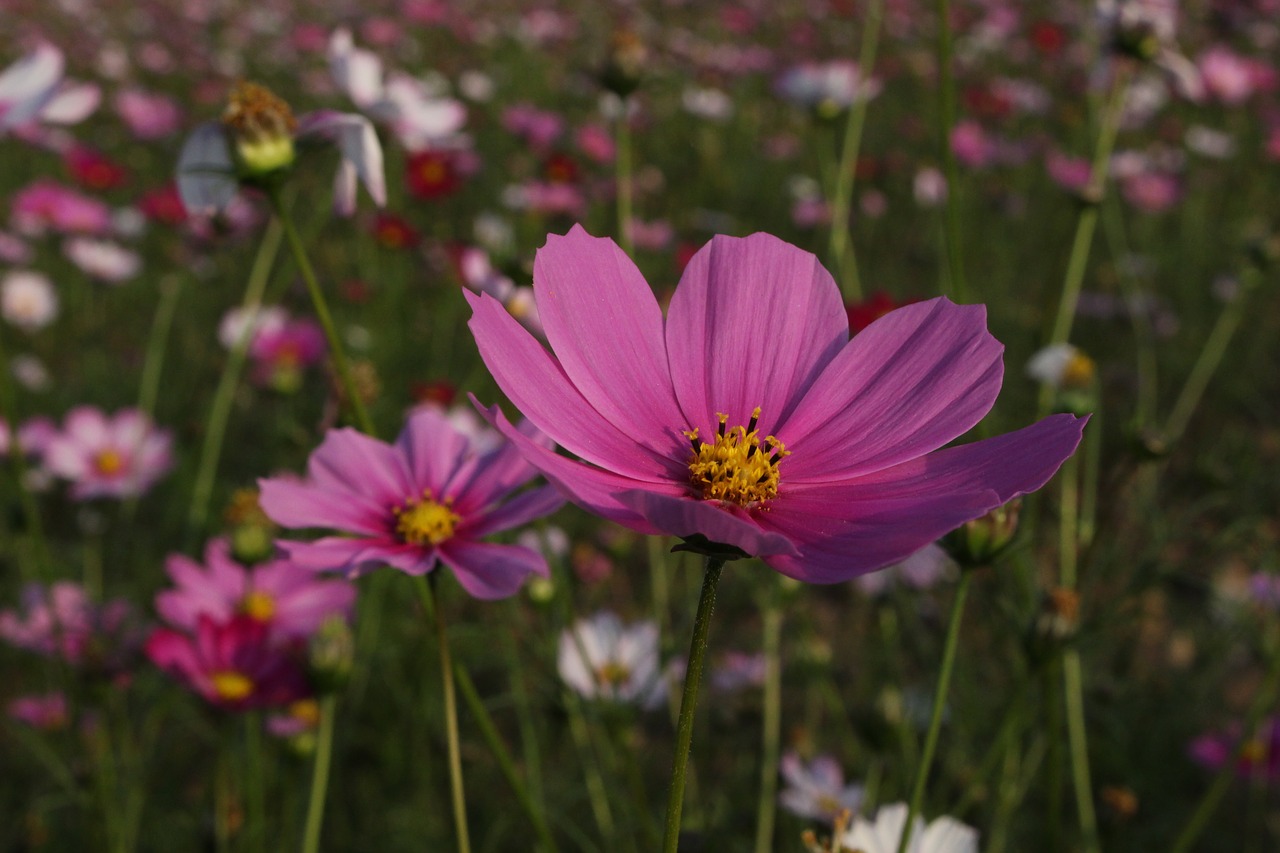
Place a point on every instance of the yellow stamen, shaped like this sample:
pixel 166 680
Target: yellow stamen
pixel 425 522
pixel 612 674
pixel 262 127
pixel 232 686
pixel 259 605
pixel 108 463
pixel 737 467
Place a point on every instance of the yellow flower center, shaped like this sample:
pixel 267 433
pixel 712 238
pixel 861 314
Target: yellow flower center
pixel 425 522
pixel 1079 371
pixel 108 463
pixel 305 711
pixel 258 605
pixel 262 126
pixel 232 686
pixel 737 467
pixel 612 674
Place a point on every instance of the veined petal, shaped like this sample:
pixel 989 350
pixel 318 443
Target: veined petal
pixel 605 327
pixel 489 571
pixel 538 386
pixel 206 172
pixel 523 508
pixel 350 461
pixel 683 516
pixel 907 384
pixel 752 323
pixel 432 449
pixel 291 504
pixel 483 479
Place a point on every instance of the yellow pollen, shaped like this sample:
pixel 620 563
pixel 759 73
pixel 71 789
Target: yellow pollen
pixel 612 674
pixel 258 605
pixel 232 686
pixel 425 522
pixel 108 462
pixel 737 467
pixel 256 114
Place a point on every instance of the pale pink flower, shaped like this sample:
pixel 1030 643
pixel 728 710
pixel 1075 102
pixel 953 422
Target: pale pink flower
pixel 816 789
pixel 32 90
pixel 45 711
pixel 45 206
pixel 148 115
pixel 28 300
pixel 105 260
pixel 119 456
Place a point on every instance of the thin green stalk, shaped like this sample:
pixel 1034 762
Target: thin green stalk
pixel 256 818
pixel 1263 704
pixel 321 307
pixel 939 702
pixel 597 794
pixel 689 701
pixel 1086 223
pixel 623 190
pixel 1051 685
pixel 770 728
pixel 220 412
pixel 152 367
pixel 1147 363
pixel 426 589
pixel 320 774
pixel 18 464
pixel 842 254
pixel 947 120
pixel 1207 362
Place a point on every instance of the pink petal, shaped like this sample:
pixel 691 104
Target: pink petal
pixel 432 449
pixel 350 461
pixel 752 323
pixel 605 327
pixel 910 382
pixel 521 509
pixel 539 388
pixel 487 571
pixel 292 504
pixel 680 515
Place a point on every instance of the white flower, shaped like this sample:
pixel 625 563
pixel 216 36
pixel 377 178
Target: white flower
pixel 28 300
pixel 600 658
pixel 1061 365
pixel 241 321
pixel 33 90
pixel 816 789
pixel 103 259
pixel 709 103
pixel 881 835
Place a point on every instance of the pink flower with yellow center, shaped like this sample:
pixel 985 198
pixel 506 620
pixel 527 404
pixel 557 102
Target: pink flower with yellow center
pixel 118 456
pixel 747 421
pixel 429 498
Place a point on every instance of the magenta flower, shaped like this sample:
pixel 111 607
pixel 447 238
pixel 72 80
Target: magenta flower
pixel 748 422
pixel 232 665
pixel 287 598
pixel 118 456
pixel 61 621
pixel 428 498
pixel 1261 753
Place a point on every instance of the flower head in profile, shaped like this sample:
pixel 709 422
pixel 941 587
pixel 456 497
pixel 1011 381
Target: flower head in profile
pixel 116 456
pixel 255 144
pixel 601 658
pixel 816 788
pixel 429 498
pixel 747 422
pixel 881 834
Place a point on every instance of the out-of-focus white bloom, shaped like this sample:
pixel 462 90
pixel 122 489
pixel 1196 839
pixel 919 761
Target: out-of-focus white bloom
pixel 30 372
pixel 103 259
pixel 600 658
pixel 28 300
pixel 881 835
pixel 494 232
pixel 930 187
pixel 32 90
pixel 476 86
pixel 827 88
pixel 921 570
pixel 1207 142
pixel 816 789
pixel 709 103
pixel 551 541
pixel 1061 366
pixel 128 222
pixel 239 322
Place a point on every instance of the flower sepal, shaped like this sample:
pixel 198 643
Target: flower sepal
pixel 699 544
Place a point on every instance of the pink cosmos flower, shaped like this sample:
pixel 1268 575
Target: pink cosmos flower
pixel 428 498
pixel 149 115
pixel 748 421
pixel 816 789
pixel 232 664
pixel 1212 750
pixel 281 351
pixel 47 206
pixel 287 598
pixel 105 260
pixel 46 711
pixel 117 456
pixel 61 621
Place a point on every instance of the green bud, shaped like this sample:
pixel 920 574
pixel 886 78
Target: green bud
pixel 331 655
pixel 980 541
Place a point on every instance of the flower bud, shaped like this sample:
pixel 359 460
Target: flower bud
pixel 331 655
pixel 980 541
pixel 261 127
pixel 624 67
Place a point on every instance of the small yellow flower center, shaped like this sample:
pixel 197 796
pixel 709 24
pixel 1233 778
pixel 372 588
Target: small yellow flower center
pixel 425 522
pixel 612 674
pixel 431 171
pixel 108 463
pixel 232 686
pixel 258 605
pixel 262 127
pixel 737 467
pixel 1079 371
pixel 306 711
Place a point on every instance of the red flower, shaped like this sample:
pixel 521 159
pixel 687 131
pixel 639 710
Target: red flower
pixel 394 232
pixel 432 174
pixel 875 306
pixel 92 169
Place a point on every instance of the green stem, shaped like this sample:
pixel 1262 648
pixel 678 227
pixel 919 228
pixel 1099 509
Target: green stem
pixel 18 464
pixel 947 120
pixel 1085 224
pixel 256 819
pixel 220 413
pixel 771 728
pixel 597 791
pixel 939 702
pixel 688 702
pixel 623 190
pixel 170 289
pixel 1207 362
pixel 1263 703
pixel 321 307
pixel 320 775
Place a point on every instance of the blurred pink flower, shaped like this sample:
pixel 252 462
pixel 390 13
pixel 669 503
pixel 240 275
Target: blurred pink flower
pixel 282 350
pixel 738 671
pixel 1227 76
pixel 45 206
pixel 61 621
pixel 46 711
pixel 1151 192
pixel 118 456
pixel 596 143
pixel 816 789
pixel 748 421
pixel 1212 750
pixel 1070 173
pixel 427 499
pixel 290 600
pixel 539 128
pixel 105 260
pixel 148 115
pixel 971 146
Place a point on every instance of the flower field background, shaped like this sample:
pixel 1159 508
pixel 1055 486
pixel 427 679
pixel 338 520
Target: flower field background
pixel 243 247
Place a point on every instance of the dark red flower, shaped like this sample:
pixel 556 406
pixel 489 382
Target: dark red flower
pixel 93 170
pixel 875 306
pixel 432 174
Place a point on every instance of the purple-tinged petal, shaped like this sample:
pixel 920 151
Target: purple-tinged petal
pixel 292 504
pixel 752 323
pixel 206 173
pixel 685 516
pixel 355 557
pixel 174 652
pixel 489 571
pixel 28 84
pixel 350 461
pixel 521 509
pixel 907 384
pixel 539 387
pixel 361 152
pixel 605 327
pixel 356 71
pixel 71 103
pixel 482 480
pixel 432 449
